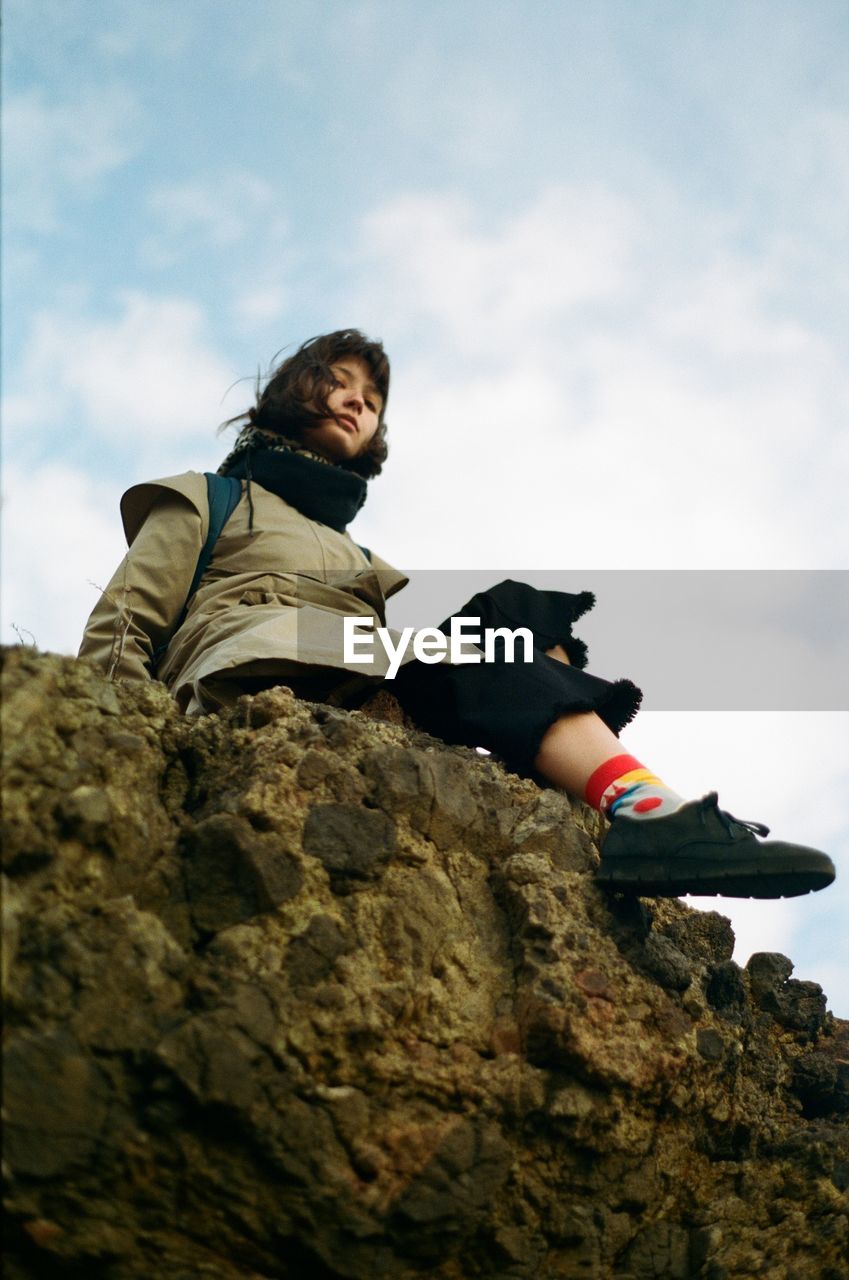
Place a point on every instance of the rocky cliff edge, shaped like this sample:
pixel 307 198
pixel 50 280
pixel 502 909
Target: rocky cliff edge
pixel 294 992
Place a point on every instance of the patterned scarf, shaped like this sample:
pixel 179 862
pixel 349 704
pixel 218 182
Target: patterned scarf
pixel 316 487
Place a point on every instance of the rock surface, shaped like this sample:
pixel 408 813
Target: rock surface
pixel 295 992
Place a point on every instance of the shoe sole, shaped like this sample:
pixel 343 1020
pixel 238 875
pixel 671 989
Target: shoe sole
pixel 748 883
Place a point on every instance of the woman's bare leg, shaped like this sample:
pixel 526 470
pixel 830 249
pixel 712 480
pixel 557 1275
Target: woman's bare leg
pixel 573 748
pixel 575 745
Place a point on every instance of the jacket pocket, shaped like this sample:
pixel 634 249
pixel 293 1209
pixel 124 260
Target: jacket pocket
pixel 280 590
pixel 251 599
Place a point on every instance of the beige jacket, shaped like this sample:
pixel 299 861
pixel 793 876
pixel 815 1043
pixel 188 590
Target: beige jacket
pixel 270 604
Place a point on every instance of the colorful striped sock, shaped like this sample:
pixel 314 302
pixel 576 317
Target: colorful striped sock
pixel 623 787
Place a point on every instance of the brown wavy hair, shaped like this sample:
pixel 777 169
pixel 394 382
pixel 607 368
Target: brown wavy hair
pixel 295 395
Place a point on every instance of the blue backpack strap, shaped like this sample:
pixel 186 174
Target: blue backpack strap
pixel 223 494
pixel 365 551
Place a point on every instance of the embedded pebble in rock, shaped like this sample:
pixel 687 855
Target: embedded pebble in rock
pixel 294 993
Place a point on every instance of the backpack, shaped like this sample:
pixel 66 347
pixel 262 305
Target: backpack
pixel 223 494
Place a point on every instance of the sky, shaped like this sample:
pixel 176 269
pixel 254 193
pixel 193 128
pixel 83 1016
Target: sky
pixel 607 248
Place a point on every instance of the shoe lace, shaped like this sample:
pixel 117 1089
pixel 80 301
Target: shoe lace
pixel 732 825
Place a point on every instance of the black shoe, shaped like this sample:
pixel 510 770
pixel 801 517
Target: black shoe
pixel 701 849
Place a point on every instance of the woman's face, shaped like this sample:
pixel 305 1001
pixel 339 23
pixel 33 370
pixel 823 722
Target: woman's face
pixel 355 404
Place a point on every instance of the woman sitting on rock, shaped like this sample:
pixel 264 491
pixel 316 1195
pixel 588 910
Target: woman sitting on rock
pixel 284 573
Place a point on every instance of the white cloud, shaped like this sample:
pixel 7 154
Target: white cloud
pixel 54 148
pixel 488 289
pixel 214 214
pixel 261 305
pixel 62 531
pixel 60 36
pixel 233 218
pixel 589 395
pixel 471 115
pixel 535 467
pixel 809 166
pixel 148 378
pixel 146 30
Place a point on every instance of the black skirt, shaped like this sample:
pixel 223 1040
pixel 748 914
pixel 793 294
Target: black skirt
pixel 507 707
